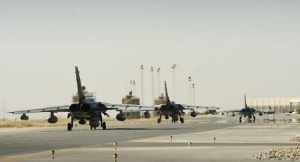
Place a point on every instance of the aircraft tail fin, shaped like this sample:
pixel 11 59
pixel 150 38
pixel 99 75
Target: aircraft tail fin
pixel 245 101
pixel 79 87
pixel 167 96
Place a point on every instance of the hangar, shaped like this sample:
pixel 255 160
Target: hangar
pixel 281 105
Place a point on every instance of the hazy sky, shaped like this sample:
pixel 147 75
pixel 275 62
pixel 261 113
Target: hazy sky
pixel 229 48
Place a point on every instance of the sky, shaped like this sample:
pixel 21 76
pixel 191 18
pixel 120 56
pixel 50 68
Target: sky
pixel 229 48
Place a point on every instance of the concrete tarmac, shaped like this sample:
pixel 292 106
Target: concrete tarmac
pixel 151 142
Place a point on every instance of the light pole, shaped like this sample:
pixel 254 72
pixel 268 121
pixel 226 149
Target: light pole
pixel 158 81
pixel 131 86
pixel 189 79
pixel 174 91
pixel 152 81
pixel 142 88
pixel 193 86
pixel 133 83
pixel 3 110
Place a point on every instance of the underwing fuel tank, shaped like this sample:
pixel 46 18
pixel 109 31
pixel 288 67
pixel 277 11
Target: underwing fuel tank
pixel 52 119
pixel 121 117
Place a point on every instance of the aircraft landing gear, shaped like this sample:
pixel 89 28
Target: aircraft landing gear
pixel 159 119
pixel 70 125
pixel 253 119
pixel 103 124
pixel 181 120
pixel 240 119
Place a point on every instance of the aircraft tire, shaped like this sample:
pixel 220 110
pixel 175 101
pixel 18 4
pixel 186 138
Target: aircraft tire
pixel 158 120
pixel 181 120
pixel 104 125
pixel 70 126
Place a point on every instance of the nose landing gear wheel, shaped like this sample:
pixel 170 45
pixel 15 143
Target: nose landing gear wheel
pixel 181 120
pixel 70 126
pixel 158 120
pixel 104 125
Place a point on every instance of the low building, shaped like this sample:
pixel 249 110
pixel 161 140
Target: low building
pixel 130 99
pixel 280 105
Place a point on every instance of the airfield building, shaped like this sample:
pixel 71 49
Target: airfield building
pixel 280 105
pixel 130 99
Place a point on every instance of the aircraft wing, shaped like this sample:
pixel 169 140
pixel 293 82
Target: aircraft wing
pixel 199 107
pixel 65 108
pixel 130 107
pixel 212 108
pixel 62 108
pixel 235 110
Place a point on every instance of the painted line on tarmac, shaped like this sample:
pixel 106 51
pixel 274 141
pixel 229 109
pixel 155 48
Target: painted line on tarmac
pixel 208 132
pixel 167 138
pixel 16 158
pixel 153 139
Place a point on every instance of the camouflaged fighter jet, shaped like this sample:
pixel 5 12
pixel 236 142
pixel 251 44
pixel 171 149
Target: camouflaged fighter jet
pixel 87 109
pixel 170 109
pixel 246 112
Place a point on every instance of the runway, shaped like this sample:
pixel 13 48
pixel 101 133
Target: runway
pixel 150 142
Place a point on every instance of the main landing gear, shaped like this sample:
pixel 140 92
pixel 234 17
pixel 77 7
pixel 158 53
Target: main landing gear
pixel 249 118
pixel 159 119
pixel 102 124
pixel 70 125
pixel 181 118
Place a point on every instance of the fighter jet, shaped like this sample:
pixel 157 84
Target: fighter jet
pixel 246 112
pixel 269 111
pixel 87 109
pixel 170 109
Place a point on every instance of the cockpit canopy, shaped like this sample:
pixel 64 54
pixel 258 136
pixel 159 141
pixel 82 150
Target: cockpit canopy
pixel 90 100
pixel 172 103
